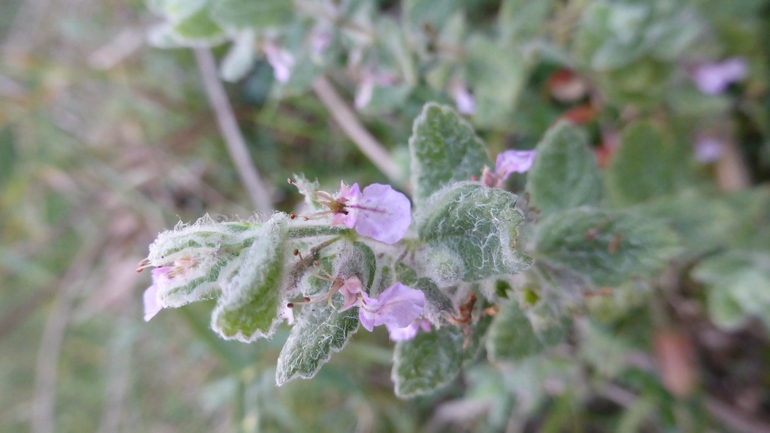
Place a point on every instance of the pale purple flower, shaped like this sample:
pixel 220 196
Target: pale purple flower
pixel 152 305
pixel 508 162
pixel 397 306
pixel 409 332
pixel 708 149
pixel 379 212
pixel 320 39
pixel 714 78
pixel 281 60
pixel 464 100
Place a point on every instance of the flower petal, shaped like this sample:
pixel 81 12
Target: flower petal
pixel 382 213
pixel 353 196
pixel 397 306
pixel 350 290
pixel 713 78
pixel 409 332
pixel 510 161
pixel 151 304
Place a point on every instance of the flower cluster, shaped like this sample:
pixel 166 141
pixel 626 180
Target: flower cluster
pixel 510 161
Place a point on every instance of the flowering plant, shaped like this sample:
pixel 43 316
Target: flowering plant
pixel 441 273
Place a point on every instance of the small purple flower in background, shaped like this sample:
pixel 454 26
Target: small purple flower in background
pixel 714 78
pixel 379 211
pixel 281 60
pixel 708 149
pixel 464 100
pixel 510 161
pixel 398 306
pixel 403 334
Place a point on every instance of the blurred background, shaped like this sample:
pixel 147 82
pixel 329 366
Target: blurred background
pixel 106 141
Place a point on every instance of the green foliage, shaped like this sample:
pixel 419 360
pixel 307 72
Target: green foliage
pixel 258 16
pixel 320 331
pixel 479 224
pixel 444 150
pixel 607 248
pixel 250 307
pixel 564 174
pixel 497 75
pixel 428 361
pixel 737 287
pixel 84 180
pixel 513 336
pixel 643 167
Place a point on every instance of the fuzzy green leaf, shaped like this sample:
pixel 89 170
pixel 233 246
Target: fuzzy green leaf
pixel 607 248
pixel 564 174
pixel 211 253
pixel 480 224
pixel 319 332
pixel 444 150
pixel 251 306
pixel 428 361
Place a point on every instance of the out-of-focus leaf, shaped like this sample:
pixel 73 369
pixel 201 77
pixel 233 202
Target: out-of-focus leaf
pixel 480 224
pixel 199 29
pixel 564 174
pixel 607 248
pixel 643 166
pixel 256 15
pixel 444 150
pixel 739 282
pixel 240 59
pixel 513 336
pixel 496 75
pixel 432 12
pixel 522 20
pixel 176 10
pixel 702 231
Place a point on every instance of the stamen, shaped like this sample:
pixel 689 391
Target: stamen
pixel 290 305
pixel 145 263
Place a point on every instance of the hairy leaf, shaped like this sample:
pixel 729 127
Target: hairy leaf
pixel 607 248
pixel 480 224
pixel 250 307
pixel 564 174
pixel 320 330
pixel 444 150
pixel 428 361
